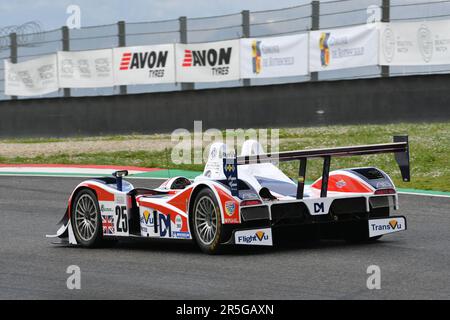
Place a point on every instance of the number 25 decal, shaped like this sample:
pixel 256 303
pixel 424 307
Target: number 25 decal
pixel 122 219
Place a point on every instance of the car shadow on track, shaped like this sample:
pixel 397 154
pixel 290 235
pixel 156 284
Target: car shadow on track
pixel 186 247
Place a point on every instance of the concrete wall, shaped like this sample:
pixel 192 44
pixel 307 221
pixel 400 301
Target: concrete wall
pixel 382 100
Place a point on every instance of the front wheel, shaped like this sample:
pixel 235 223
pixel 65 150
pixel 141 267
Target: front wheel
pixel 86 220
pixel 206 222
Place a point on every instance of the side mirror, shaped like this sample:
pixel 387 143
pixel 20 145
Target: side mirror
pixel 120 174
pixel 266 194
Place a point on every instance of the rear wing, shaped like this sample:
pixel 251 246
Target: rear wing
pixel 400 148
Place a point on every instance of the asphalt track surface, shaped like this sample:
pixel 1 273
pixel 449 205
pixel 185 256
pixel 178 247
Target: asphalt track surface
pixel 414 264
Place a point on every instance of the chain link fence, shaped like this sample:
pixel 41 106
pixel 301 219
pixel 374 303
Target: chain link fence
pixel 285 21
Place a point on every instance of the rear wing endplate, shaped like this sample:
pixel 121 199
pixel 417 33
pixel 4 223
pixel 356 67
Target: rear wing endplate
pixel 400 148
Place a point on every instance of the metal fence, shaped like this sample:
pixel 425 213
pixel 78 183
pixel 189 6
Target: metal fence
pixel 302 18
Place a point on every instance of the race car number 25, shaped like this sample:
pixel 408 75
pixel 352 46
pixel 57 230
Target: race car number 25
pixel 122 219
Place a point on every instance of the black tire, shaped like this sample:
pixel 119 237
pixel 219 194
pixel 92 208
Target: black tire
pixel 86 219
pixel 210 244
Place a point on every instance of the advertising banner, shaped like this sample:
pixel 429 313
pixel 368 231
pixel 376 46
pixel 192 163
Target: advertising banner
pixel 144 65
pixel 85 69
pixel 343 48
pixel 274 57
pixel 415 43
pixel 207 62
pixel 30 78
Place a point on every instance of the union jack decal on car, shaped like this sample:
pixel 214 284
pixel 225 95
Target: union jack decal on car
pixel 108 224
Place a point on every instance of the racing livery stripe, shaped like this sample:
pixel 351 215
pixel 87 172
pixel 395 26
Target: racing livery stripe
pixel 181 200
pixel 102 194
pixel 343 183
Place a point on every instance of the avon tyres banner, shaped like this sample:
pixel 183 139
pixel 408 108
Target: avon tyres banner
pixel 274 57
pixel 207 62
pixel 143 65
pixel 85 69
pixel 30 78
pixel 343 48
pixel 415 43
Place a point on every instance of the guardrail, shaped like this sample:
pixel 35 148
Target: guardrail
pixel 20 46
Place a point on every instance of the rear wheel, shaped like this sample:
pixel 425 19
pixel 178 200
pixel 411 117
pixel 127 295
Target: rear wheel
pixel 206 222
pixel 86 220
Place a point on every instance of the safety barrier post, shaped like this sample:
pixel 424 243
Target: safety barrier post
pixel 184 39
pixel 315 25
pixel 122 43
pixel 246 34
pixel 385 17
pixel 13 52
pixel 65 47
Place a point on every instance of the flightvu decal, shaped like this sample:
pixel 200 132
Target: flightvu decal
pixel 145 64
pixel 205 62
pixel 259 237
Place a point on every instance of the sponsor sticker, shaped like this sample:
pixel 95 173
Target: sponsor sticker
pixel 181 235
pixel 231 220
pixel 383 184
pixel 156 224
pixel 378 227
pixel 106 208
pixel 147 218
pixel 119 199
pixel 230 208
pixel 249 195
pixel 231 174
pixel 178 222
pixel 341 183
pixel 318 207
pixel 259 237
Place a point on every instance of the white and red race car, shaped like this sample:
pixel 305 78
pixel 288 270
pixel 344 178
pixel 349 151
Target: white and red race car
pixel 242 200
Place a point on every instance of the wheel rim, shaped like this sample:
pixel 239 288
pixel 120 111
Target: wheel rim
pixel 86 217
pixel 206 220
